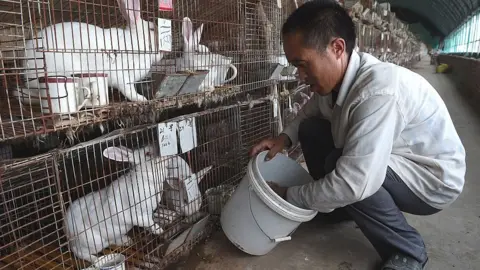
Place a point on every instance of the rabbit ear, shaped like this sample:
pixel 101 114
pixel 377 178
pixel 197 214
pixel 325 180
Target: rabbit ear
pixel 121 154
pixel 151 150
pixel 187 31
pixel 130 10
pixel 197 35
pixel 200 174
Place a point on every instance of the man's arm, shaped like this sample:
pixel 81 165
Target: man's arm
pixel 375 123
pixel 310 109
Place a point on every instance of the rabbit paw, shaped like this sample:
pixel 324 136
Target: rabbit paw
pixel 156 229
pixel 140 98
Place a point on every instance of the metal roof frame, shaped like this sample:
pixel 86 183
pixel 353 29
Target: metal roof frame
pixel 446 15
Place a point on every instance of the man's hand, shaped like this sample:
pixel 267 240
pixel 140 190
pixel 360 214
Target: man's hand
pixel 275 145
pixel 281 191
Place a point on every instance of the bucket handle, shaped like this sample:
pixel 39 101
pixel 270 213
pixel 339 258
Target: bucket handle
pixel 276 240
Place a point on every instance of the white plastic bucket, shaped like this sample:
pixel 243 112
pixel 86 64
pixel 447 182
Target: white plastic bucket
pixel 256 219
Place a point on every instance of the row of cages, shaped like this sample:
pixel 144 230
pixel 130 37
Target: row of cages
pixel 386 46
pixel 145 194
pixel 381 34
pixel 136 144
pixel 68 63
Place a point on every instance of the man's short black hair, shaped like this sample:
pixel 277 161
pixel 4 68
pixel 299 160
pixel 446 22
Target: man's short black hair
pixel 319 21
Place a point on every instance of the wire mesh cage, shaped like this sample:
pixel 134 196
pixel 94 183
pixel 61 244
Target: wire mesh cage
pixel 31 216
pixel 60 58
pixel 127 195
pixel 293 97
pixel 69 63
pixel 142 195
pixel 72 63
pixel 113 189
pixel 367 32
pixel 239 41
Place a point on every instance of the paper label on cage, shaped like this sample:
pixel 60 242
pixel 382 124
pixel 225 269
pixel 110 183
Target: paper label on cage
pixel 363 30
pixel 167 138
pixel 279 3
pixel 165 35
pixel 382 36
pixel 188 134
pixel 275 108
pixel 191 186
pixel 165 5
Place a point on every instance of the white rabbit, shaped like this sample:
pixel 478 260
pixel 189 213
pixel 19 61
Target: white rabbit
pixel 178 173
pixel 136 46
pixel 104 217
pixel 198 57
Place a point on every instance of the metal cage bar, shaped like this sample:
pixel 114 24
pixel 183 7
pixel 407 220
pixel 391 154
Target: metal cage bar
pixel 123 194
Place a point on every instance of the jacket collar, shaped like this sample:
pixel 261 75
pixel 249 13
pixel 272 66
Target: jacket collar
pixel 349 78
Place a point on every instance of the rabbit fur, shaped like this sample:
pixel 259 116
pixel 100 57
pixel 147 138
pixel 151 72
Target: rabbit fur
pixel 104 217
pixel 178 172
pixel 123 68
pixel 198 57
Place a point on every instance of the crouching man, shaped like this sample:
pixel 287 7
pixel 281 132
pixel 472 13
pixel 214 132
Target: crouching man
pixel 376 137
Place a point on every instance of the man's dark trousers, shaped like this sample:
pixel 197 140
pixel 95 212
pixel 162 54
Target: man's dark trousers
pixel 379 216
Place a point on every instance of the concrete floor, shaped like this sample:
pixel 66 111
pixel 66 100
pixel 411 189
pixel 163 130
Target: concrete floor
pixel 452 236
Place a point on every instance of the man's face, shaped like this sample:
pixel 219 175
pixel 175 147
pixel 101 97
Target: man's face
pixel 323 71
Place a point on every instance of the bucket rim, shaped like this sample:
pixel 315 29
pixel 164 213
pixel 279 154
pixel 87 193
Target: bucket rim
pixel 271 198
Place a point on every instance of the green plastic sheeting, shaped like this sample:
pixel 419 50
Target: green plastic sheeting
pixel 466 38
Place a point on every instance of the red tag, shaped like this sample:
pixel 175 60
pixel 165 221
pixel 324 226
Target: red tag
pixel 165 5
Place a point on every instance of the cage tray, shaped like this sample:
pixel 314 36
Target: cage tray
pixel 168 85
pixel 193 81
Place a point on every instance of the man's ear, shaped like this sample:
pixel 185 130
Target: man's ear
pixel 338 47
